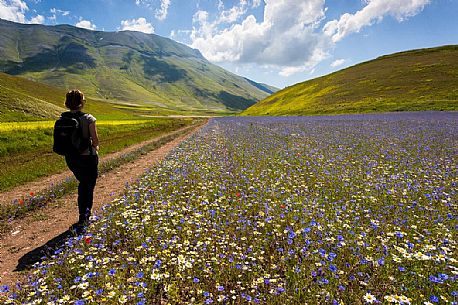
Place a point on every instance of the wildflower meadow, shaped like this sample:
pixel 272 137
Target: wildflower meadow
pixel 290 210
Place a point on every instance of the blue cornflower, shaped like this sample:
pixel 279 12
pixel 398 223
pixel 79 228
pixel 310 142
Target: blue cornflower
pixel 331 256
pixel 402 269
pixel 12 296
pixel 434 279
pixel 90 275
pixel 99 291
pixel 206 293
pixel 79 302
pixel 434 299
pixel 141 303
pixel 443 276
pixel 333 268
pixel 196 280
pixel 220 288
pixel 157 264
pixel 4 288
pixel 112 271
pixel 208 301
pixel 140 275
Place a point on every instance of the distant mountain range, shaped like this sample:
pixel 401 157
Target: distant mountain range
pixel 423 79
pixel 131 69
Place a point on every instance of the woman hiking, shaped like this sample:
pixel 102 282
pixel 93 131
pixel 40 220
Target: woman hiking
pixel 83 163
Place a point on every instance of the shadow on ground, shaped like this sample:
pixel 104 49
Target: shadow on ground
pixel 41 253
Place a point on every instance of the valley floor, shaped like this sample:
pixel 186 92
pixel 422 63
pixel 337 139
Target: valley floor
pixel 45 230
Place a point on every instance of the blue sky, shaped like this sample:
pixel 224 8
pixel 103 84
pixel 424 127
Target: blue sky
pixel 278 42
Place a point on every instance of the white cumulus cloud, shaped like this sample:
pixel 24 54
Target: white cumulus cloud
pixel 14 10
pixel 337 63
pixel 282 39
pixel 373 12
pixel 159 12
pixel 256 3
pixel 233 14
pixel 139 25
pixel 292 37
pixel 56 11
pixel 86 24
pixel 38 19
pixel 162 12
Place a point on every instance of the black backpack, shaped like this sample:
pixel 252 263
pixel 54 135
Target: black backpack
pixel 68 135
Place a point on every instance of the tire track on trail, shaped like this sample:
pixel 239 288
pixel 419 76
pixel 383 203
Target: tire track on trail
pixel 29 236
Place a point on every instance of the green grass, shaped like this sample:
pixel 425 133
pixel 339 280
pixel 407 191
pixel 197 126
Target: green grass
pixel 409 81
pixel 25 100
pixel 33 201
pixel 26 155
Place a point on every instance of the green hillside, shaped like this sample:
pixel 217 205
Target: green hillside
pixel 126 67
pixel 25 100
pixel 424 79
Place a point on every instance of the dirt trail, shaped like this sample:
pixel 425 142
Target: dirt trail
pixel 44 183
pixel 46 229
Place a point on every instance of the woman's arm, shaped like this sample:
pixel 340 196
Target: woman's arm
pixel 94 136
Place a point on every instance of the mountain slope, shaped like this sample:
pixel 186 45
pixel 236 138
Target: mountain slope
pixel 424 79
pixel 25 100
pixel 126 67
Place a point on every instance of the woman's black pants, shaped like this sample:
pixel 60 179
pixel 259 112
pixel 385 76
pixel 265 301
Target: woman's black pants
pixel 85 169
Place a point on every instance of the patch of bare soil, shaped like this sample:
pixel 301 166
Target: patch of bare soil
pixel 46 229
